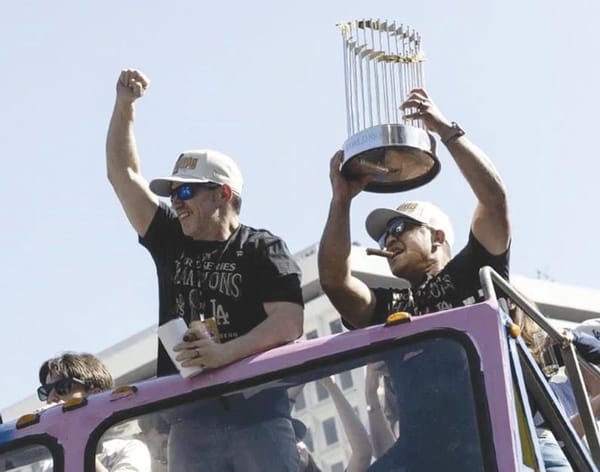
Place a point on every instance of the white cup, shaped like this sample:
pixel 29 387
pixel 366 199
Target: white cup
pixel 171 334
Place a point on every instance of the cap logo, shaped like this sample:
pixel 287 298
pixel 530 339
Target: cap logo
pixel 409 206
pixel 185 163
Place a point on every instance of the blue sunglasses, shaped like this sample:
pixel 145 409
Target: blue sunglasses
pixel 187 191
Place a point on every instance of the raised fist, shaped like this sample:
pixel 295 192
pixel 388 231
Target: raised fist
pixel 131 85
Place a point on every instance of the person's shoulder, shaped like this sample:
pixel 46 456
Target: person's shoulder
pixel 167 211
pixel 165 216
pixel 474 244
pixel 257 236
pixel 473 256
pixel 474 249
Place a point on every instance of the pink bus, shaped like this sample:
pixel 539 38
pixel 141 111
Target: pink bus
pixel 463 374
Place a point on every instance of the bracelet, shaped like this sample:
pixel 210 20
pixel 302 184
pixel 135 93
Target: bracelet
pixel 456 133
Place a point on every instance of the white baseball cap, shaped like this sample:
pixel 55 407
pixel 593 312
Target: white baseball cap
pixel 421 212
pixel 201 166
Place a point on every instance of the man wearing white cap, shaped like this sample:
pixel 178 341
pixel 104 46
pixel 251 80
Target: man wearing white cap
pixel 210 265
pixel 417 238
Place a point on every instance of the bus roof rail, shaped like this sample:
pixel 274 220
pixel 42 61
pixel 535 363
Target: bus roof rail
pixel 490 279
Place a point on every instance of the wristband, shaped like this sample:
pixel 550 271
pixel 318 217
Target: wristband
pixel 455 133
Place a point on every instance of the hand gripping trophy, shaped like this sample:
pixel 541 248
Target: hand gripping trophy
pixel 382 64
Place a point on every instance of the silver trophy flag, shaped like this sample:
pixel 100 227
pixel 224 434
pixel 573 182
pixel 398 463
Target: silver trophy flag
pixel 382 64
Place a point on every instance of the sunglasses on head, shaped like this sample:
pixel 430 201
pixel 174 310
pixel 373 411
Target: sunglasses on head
pixel 62 387
pixel 395 228
pixel 187 191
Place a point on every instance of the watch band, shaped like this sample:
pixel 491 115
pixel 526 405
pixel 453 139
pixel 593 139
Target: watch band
pixel 456 132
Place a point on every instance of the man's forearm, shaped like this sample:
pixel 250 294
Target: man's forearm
pixel 479 171
pixel 349 295
pixel 353 427
pixel 355 431
pixel 121 150
pixel 275 330
pixel 382 436
pixel 335 245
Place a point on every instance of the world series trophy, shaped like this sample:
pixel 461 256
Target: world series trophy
pixel 382 64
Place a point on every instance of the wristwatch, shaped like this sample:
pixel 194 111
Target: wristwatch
pixel 455 132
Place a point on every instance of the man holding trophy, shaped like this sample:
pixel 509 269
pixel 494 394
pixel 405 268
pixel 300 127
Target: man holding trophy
pixel 416 238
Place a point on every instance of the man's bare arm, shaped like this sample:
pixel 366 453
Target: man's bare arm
pixel 360 458
pixel 490 223
pixel 284 323
pixel 122 162
pixel 382 436
pixel 351 297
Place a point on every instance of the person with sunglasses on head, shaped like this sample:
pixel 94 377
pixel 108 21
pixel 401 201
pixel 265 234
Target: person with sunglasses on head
pixel 418 238
pixel 210 266
pixel 76 375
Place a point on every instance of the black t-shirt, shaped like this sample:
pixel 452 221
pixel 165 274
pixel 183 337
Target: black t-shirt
pixel 455 286
pixel 228 280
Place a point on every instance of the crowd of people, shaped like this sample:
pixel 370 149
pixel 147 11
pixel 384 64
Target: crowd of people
pixel 210 266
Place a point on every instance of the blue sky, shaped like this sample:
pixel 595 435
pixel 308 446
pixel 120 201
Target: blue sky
pixel 263 82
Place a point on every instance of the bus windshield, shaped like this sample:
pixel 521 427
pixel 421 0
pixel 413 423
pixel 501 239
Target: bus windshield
pixel 419 409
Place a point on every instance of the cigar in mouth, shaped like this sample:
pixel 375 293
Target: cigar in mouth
pixel 379 252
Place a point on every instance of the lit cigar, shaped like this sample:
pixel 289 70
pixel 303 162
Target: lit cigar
pixel 379 252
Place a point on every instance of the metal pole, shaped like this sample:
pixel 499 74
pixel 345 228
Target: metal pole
pixel 581 398
pixel 488 278
pixel 344 28
pixel 376 73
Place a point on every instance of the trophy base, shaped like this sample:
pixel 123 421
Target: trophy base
pixel 400 157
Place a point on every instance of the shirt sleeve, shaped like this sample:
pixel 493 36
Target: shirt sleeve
pixel 588 346
pixel 384 305
pixel 280 274
pixel 163 227
pixel 481 257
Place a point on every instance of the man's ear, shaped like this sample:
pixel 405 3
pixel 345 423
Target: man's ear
pixel 437 238
pixel 226 192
